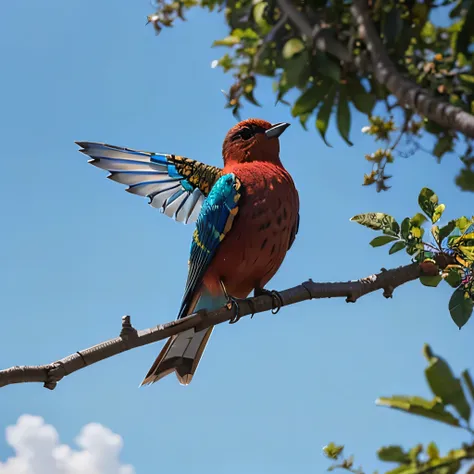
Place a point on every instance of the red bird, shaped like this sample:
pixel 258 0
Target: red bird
pixel 247 219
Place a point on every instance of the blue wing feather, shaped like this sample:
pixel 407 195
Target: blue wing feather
pixel 174 184
pixel 214 222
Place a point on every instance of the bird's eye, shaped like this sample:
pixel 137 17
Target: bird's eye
pixel 246 134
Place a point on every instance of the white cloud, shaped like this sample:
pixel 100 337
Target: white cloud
pixel 38 451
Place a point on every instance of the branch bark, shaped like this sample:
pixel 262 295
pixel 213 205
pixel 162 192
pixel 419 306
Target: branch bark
pixel 407 92
pixel 129 338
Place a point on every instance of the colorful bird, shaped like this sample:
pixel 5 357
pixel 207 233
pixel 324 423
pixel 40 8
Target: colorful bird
pixel 247 217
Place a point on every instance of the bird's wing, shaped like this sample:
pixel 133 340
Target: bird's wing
pixel 175 184
pixel 213 224
pixel 294 231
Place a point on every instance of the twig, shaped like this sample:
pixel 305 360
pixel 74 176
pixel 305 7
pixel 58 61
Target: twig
pixel 51 374
pixel 403 130
pixel 269 38
pixel 460 455
pixel 407 93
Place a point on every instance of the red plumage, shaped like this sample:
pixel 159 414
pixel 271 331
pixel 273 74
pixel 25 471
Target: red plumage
pixel 267 221
pixel 253 249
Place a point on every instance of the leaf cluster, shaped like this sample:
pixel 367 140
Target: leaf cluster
pixel 263 42
pixel 453 404
pixel 447 252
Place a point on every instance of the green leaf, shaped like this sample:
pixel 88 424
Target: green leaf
pixel 466 376
pixel 465 178
pixel 432 451
pixel 405 228
pixel 375 220
pixel 428 201
pixel 443 145
pixel 393 230
pixel 324 66
pixel 460 307
pixel 363 101
pixel 247 34
pixel 333 451
pixel 463 39
pixel 292 47
pixel 446 230
pixel 324 114
pixel 344 115
pixel 467 78
pixel 248 86
pixel 465 245
pixel 428 33
pixel 382 240
pixel 228 41
pixel 432 281
pixel 452 277
pixel 414 453
pixel 445 385
pixel 418 220
pixel 438 212
pixel 419 406
pixel 297 70
pixel 393 454
pixel 397 246
pixel 259 17
pixel 403 469
pixel 226 62
pixel 309 99
pixel 463 223
pixel 303 119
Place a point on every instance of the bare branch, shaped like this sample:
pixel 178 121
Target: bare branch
pixel 408 93
pixel 129 338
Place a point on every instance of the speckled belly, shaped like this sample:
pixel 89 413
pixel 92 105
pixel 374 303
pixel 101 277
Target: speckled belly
pixel 255 247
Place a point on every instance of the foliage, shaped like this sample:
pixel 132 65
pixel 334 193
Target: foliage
pixel 446 252
pixel 263 42
pixel 452 404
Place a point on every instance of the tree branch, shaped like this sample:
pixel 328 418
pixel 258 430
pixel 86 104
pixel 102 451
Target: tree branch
pixel 407 93
pixel 320 37
pixel 51 374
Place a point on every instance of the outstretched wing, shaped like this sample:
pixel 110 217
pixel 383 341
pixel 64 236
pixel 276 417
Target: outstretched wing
pixel 175 184
pixel 214 222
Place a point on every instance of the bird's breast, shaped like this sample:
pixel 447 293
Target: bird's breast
pixel 255 247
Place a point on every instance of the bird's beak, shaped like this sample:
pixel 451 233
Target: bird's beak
pixel 276 130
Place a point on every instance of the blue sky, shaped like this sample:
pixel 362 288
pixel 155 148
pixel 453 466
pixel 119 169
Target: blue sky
pixel 78 252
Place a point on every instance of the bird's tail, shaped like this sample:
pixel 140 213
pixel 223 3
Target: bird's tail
pixel 182 352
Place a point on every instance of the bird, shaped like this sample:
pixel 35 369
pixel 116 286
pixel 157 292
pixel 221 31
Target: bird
pixel 246 217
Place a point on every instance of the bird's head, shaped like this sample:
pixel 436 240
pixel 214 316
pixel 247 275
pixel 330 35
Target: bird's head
pixel 253 140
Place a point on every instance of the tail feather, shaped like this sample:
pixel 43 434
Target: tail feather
pixel 182 353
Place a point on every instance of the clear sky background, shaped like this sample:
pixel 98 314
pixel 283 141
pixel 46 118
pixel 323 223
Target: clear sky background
pixel 77 252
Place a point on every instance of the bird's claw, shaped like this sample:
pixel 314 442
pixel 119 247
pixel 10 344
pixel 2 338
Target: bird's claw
pixel 277 300
pixel 252 307
pixel 233 303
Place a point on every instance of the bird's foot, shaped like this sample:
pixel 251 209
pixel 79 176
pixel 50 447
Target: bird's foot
pixel 234 303
pixel 277 300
